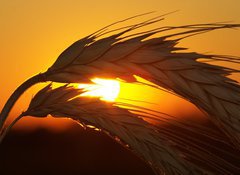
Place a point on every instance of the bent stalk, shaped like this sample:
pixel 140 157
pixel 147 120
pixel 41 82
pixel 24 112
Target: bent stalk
pixel 16 94
pixel 4 133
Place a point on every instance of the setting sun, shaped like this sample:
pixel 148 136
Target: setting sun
pixel 106 89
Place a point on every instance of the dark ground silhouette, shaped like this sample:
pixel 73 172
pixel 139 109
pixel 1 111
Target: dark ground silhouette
pixel 80 152
pixel 73 152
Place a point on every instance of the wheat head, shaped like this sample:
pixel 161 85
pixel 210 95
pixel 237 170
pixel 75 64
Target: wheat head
pixel 127 128
pixel 160 61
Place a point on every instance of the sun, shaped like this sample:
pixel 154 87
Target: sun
pixel 106 89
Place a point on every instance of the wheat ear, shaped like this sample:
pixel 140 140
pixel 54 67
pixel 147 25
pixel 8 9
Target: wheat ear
pixel 159 60
pixel 137 135
pixel 125 127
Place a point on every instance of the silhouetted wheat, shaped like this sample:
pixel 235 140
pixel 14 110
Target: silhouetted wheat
pixel 159 61
pixel 127 128
pixel 156 59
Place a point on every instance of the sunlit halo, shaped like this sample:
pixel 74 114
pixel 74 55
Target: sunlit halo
pixel 106 89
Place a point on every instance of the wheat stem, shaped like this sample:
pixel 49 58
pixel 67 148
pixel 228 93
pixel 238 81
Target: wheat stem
pixel 4 132
pixel 16 94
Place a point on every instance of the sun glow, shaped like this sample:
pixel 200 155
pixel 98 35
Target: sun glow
pixel 106 89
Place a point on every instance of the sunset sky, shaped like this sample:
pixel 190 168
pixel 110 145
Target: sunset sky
pixel 34 33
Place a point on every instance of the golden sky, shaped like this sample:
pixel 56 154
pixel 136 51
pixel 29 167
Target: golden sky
pixel 34 32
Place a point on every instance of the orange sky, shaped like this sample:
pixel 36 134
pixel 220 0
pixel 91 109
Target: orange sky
pixel 34 33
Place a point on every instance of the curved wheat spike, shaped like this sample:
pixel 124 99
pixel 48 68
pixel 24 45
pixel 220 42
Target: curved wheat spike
pixel 160 61
pixel 128 128
pixel 190 141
